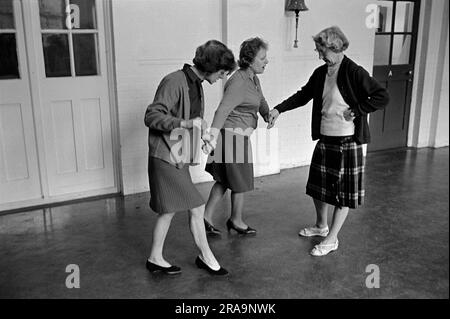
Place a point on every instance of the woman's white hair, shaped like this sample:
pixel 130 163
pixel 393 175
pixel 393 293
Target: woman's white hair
pixel 332 38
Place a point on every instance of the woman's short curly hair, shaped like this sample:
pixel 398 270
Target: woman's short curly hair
pixel 249 50
pixel 214 56
pixel 332 38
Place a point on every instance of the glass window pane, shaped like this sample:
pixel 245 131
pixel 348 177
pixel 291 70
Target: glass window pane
pixel 52 14
pixel 401 48
pixel 6 14
pixel 404 16
pixel 87 14
pixel 382 45
pixel 56 54
pixel 9 68
pixel 385 15
pixel 85 53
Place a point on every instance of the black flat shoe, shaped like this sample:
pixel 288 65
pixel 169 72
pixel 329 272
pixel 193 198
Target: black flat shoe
pixel 211 230
pixel 241 231
pixel 172 270
pixel 202 265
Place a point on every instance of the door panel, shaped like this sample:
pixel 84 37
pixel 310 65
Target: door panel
pixel 94 157
pixel 394 55
pixel 14 153
pixel 397 98
pixel 74 97
pixel 63 137
pixel 19 172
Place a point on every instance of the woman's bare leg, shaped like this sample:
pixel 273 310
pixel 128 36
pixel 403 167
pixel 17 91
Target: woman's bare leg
pixel 216 194
pixel 197 227
pixel 339 216
pixel 322 213
pixel 237 206
pixel 160 230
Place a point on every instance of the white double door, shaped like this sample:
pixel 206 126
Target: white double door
pixel 55 117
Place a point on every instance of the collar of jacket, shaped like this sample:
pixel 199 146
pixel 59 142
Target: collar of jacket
pixel 344 64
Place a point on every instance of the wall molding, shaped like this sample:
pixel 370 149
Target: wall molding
pixel 149 61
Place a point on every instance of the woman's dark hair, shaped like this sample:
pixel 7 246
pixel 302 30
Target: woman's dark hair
pixel 214 56
pixel 249 50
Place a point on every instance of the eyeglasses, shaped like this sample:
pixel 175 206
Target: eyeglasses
pixel 320 51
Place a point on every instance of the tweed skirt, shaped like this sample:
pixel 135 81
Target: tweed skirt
pixel 171 188
pixel 231 163
pixel 336 174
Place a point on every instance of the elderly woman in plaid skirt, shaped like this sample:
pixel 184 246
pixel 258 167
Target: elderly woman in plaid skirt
pixel 343 94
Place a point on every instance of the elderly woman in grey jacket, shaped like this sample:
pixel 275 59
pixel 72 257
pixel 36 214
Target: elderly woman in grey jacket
pixel 343 94
pixel 177 105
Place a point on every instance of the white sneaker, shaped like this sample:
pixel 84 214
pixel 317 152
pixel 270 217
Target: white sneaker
pixel 314 231
pixel 323 250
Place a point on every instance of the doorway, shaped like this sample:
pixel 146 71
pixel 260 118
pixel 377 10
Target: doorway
pixel 394 56
pixel 55 118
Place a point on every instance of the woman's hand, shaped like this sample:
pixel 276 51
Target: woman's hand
pixel 268 120
pixel 210 142
pixel 207 148
pixel 349 115
pixel 273 115
pixel 198 121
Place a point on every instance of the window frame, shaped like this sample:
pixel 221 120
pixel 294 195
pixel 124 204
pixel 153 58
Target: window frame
pixel 393 33
pixel 14 32
pixel 70 33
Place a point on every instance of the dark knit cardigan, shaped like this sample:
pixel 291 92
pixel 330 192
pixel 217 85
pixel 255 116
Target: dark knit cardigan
pixel 360 91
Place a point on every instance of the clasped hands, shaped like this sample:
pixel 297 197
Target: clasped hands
pixel 271 118
pixel 209 137
pixel 209 141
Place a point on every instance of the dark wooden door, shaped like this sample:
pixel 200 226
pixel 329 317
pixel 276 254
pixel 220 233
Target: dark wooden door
pixel 395 46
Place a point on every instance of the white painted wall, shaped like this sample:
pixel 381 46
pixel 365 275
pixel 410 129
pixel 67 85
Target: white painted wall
pixel 441 133
pixel 155 37
pixel 152 39
pixel 428 125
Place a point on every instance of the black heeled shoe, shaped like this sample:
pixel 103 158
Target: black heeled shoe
pixel 172 270
pixel 211 230
pixel 241 231
pixel 202 265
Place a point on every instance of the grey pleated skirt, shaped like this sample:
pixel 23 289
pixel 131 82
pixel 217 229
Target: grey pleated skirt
pixel 231 164
pixel 171 188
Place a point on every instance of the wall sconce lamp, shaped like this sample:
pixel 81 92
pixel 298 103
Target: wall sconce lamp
pixel 296 6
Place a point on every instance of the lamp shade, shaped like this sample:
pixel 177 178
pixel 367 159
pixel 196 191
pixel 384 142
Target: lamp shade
pixel 296 5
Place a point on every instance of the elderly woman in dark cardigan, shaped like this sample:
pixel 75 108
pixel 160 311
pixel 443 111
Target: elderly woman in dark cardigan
pixel 177 105
pixel 343 94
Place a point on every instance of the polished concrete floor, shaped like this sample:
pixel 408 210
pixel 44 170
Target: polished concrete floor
pixel 403 229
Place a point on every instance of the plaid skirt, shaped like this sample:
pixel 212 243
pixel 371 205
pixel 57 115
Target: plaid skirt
pixel 336 174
